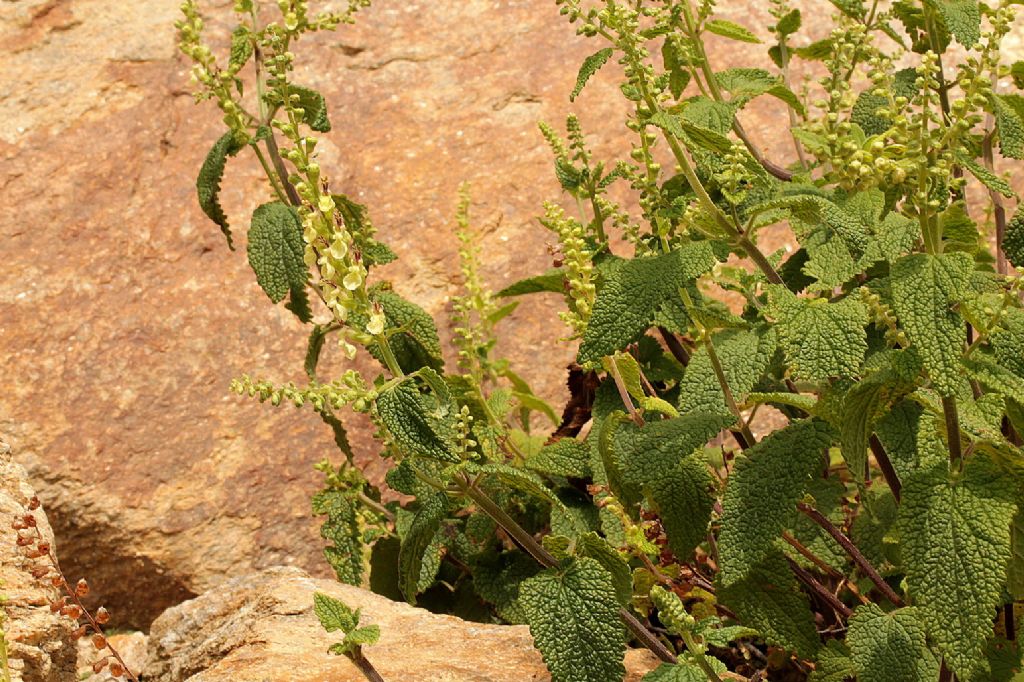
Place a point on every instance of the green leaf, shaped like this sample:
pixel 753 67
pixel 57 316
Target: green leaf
pixel 574 620
pixel 770 599
pixel 890 647
pixel 420 424
pixel 341 528
pixel 276 250
pixel 417 541
pixel 955 534
pixel 995 377
pixel 760 501
pixel 863 112
pixel 1009 111
pixel 727 29
pixel 553 280
pixel 339 432
pixel 314 106
pixel 1015 573
pixel 208 182
pixel 1013 240
pixel 924 289
pixel 789 23
pixel 334 614
pixel 565 457
pixel 597 548
pixel 241 48
pixel 986 177
pixel 628 370
pixel 746 84
pixel 590 66
pixel 744 356
pixel 298 304
pixel 676 672
pixel 833 664
pixel 632 293
pixel 820 339
pixel 659 459
pixel 417 344
pixel 313 348
pixel 962 17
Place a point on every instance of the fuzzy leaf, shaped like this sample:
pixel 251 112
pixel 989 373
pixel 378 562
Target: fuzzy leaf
pixel 417 541
pixel 1009 111
pixel 890 647
pixel 760 501
pixel 632 294
pixel 995 377
pixel 821 339
pixel 565 457
pixel 684 671
pixel 833 664
pixel 574 620
pixel 597 548
pixel 924 289
pixel 590 66
pixel 986 177
pixel 955 534
pixel 313 348
pixel 553 280
pixel 746 84
pixel 276 250
pixel 419 425
pixel 208 182
pixel 659 460
pixel 744 356
pixel 314 106
pixel 341 528
pixel 727 29
pixel 770 599
pixel 334 614
pixel 417 345
pixel 962 17
pixel 241 47
pixel 1013 240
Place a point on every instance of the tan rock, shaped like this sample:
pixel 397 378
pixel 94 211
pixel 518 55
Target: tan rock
pixel 261 628
pixel 40 643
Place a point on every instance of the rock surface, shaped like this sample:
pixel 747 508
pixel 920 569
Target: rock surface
pixel 131 646
pixel 41 648
pixel 261 628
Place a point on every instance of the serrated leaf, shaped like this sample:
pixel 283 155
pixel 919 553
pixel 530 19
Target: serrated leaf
pixel 770 599
pixel 417 541
pixel 276 250
pixel 962 18
pixel 498 581
pixel 1015 572
pixel 208 182
pixel 627 369
pixel 789 23
pixel 590 66
pixel 820 339
pixel 925 287
pixel 417 345
pixel 816 51
pixel 565 457
pixel 420 424
pixel 890 647
pixel 334 614
pixel 746 84
pixel 339 432
pixel 863 112
pixel 659 460
pixel 1013 240
pixel 313 106
pixel 833 664
pixel 676 672
pixel 313 348
pixel 764 487
pixel 1009 111
pixel 241 48
pixel 532 484
pixel 733 31
pixel 597 548
pixel 955 535
pixel 629 299
pixel 744 356
pixel 995 377
pixel 986 177
pixel 553 280
pixel 298 304
pixel 363 636
pixel 341 528
pixel 574 620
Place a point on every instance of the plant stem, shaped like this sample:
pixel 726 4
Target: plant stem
pixel 852 550
pixel 811 582
pixel 998 208
pixel 885 464
pixel 730 401
pixel 271 175
pixel 949 411
pixel 529 544
pixel 389 356
pixel 624 394
pixel 698 655
pixel 377 507
pixel 810 556
pixel 675 347
pixel 365 667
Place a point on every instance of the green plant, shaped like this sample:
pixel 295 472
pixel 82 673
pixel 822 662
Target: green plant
pixel 336 615
pixel 875 534
pixel 5 670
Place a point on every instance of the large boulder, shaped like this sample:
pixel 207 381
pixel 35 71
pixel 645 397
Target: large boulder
pixel 262 627
pixel 41 648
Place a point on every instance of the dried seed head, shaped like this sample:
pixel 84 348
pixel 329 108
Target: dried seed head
pixel 44 547
pixel 82 588
pixel 18 524
pixel 33 504
pixel 56 581
pixel 58 605
pixel 24 540
pixel 30 520
pixel 80 632
pixel 73 612
pixel 102 615
pixel 99 641
pixel 116 669
pixel 99 665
